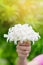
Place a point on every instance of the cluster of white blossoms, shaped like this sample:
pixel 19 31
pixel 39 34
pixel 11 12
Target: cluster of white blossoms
pixel 21 33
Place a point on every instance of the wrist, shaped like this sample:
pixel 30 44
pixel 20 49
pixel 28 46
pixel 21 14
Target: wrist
pixel 23 60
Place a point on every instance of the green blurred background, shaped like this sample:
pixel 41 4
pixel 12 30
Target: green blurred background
pixel 19 11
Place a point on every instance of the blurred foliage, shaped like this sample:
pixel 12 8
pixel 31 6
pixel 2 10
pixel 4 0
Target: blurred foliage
pixel 19 11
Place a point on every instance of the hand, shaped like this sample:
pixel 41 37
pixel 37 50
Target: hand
pixel 23 49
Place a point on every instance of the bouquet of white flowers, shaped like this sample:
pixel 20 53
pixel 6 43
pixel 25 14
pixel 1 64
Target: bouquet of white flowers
pixel 21 33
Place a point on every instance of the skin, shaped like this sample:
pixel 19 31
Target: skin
pixel 23 50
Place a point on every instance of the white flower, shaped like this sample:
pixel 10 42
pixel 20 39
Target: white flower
pixel 21 32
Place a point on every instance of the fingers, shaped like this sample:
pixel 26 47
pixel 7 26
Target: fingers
pixel 24 48
pixel 22 53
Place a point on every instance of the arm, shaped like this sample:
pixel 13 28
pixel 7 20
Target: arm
pixel 23 51
pixel 22 61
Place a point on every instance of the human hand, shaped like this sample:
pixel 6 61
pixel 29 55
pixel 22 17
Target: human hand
pixel 23 49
